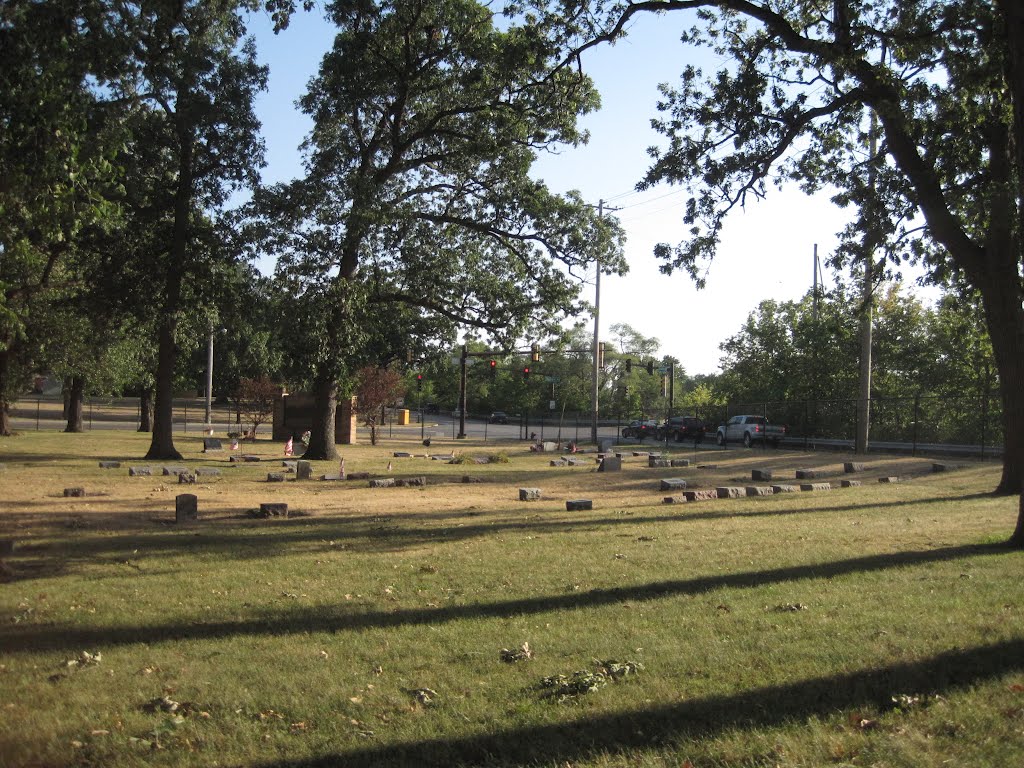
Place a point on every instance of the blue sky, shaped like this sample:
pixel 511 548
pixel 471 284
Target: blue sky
pixel 766 251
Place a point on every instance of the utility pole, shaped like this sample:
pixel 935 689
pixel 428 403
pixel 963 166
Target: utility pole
pixel 594 384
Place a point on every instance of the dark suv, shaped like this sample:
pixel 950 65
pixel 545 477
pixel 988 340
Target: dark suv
pixel 680 428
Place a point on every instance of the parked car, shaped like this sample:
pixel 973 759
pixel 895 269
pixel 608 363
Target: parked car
pixel 641 428
pixel 498 417
pixel 750 429
pixel 681 428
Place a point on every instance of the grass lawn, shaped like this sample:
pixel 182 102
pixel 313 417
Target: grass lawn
pixel 453 624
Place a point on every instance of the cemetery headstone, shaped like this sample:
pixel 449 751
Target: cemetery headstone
pixel 575 505
pixel 785 488
pixel 853 466
pixel 174 471
pixel 186 478
pixel 851 483
pixel 186 508
pixel 140 471
pixel 529 494
pixel 383 482
pixel 275 477
pixel 759 490
pixel 806 474
pixel 703 494
pixel 680 462
pixel 110 465
pixel 815 486
pixel 212 444
pixel 74 492
pixel 303 470
pixel 673 484
pixel 761 475
pixel 207 472
pixel 730 492
pixel 891 479
pixel 610 464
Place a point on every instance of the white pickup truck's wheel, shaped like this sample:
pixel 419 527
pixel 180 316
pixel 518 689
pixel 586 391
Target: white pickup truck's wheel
pixel 721 439
pixel 747 440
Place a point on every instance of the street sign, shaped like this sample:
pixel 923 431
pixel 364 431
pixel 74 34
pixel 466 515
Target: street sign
pixel 551 405
pixel 552 379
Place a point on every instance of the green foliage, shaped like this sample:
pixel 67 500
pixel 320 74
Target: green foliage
pixel 427 118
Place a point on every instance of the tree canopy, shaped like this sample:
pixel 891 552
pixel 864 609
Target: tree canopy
pixel 791 103
pixel 427 118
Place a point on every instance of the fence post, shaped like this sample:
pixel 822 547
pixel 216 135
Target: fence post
pixel 90 415
pixel 37 414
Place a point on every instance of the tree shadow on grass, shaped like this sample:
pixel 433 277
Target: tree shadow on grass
pixel 357 532
pixel 347 617
pixel 670 725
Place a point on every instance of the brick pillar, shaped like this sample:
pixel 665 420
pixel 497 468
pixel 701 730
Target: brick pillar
pixel 345 422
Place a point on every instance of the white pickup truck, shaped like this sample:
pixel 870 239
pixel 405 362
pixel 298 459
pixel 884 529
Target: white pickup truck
pixel 750 429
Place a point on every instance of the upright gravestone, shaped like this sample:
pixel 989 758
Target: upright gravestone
pixel 610 464
pixel 186 508
pixel 303 470
pixel 211 444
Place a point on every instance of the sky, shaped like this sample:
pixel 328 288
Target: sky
pixel 766 250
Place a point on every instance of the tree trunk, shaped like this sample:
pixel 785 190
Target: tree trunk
pixel 1017 540
pixel 5 387
pixel 75 394
pixel 146 410
pixel 161 448
pixel 321 435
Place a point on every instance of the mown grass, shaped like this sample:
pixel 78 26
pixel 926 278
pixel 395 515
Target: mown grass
pixel 873 626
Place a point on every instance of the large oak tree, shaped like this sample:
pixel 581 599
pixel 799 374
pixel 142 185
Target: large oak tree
pixel 427 118
pixel 945 81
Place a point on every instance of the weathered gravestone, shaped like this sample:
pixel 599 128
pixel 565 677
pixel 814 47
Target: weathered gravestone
pixel 759 490
pixel 730 492
pixel 851 483
pixel 275 477
pixel 575 505
pixel 140 471
pixel 704 494
pixel 207 472
pixel 303 470
pixel 212 444
pixel 853 466
pixel 680 462
pixel 891 479
pixel 110 465
pixel 761 475
pixel 186 478
pixel 529 494
pixel 785 488
pixel 174 471
pixel 186 508
pixel 673 484
pixel 657 461
pixel 383 482
pixel 815 486
pixel 610 464
pixel 605 444
pixel 74 492
pixel 806 474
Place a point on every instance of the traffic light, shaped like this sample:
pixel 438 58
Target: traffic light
pixel 493 364
pixel 650 367
pixel 419 382
pixel 629 365
pixel 535 353
pixel 526 372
